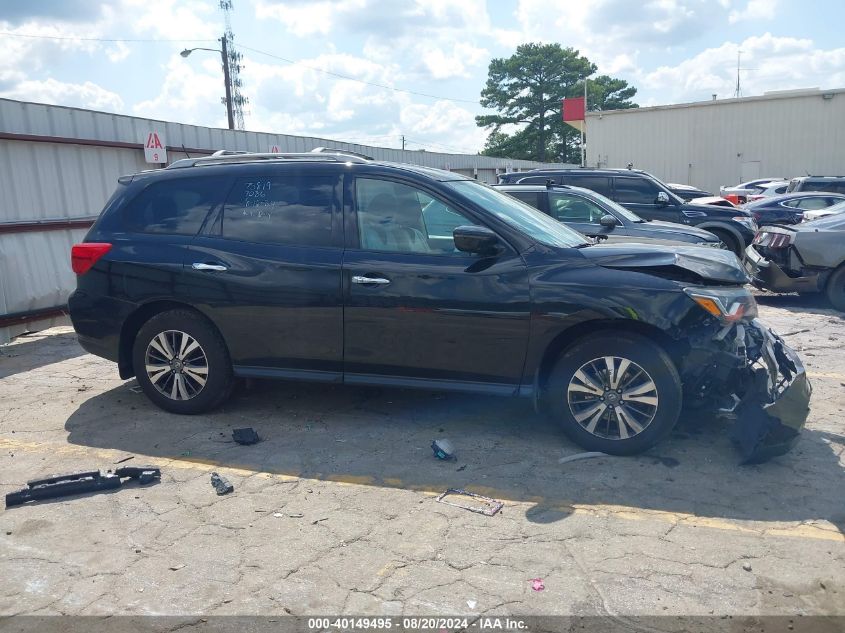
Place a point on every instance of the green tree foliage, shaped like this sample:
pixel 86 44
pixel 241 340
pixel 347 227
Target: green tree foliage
pixel 526 90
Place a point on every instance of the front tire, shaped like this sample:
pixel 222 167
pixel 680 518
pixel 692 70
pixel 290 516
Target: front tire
pixel 182 363
pixel 730 241
pixel 835 288
pixel 618 393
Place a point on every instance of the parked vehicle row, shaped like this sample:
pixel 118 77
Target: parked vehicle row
pixel 334 268
pixel 649 198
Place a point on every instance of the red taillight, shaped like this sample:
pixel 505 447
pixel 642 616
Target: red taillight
pixel 780 240
pixel 85 255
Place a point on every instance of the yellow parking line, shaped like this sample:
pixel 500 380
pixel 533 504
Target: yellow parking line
pixel 826 374
pixel 821 531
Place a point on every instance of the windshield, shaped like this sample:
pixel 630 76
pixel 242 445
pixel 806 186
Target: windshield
pixel 519 215
pixel 615 206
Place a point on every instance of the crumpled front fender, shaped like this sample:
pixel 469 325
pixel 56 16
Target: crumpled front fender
pixel 776 402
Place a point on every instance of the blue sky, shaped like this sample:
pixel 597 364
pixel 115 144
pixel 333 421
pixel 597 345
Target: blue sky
pixel 672 51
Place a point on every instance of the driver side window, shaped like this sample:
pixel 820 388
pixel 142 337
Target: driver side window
pixel 569 208
pixel 397 218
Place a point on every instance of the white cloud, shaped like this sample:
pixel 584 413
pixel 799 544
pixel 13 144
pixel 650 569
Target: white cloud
pixel 754 10
pixel 85 95
pixel 778 63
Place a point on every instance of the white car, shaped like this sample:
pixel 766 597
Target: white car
pixel 769 189
pixel 821 213
pixel 750 188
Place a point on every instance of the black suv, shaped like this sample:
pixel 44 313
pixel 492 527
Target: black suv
pixel 649 198
pixel 334 268
pixel 596 216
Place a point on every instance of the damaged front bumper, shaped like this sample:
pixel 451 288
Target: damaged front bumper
pixel 760 382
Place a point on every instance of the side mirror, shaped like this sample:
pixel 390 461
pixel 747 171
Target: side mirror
pixel 662 199
pixel 608 221
pixel 476 239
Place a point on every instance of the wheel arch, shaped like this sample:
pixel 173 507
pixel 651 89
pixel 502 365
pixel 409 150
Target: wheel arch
pixel 570 336
pixel 713 227
pixel 135 321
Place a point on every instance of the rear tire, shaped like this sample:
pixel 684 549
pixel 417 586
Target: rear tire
pixel 182 363
pixel 621 413
pixel 729 240
pixel 835 288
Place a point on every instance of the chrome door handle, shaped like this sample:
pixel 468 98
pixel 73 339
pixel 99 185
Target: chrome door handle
pixel 360 279
pixel 217 267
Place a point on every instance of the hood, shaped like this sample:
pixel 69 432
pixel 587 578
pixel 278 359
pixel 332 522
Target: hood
pixel 674 227
pixel 682 263
pixel 714 211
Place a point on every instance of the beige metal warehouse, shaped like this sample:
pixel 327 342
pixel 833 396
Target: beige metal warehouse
pixel 726 141
pixel 59 165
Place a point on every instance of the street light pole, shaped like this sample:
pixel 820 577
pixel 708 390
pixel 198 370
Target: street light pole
pixel 224 54
pixel 224 57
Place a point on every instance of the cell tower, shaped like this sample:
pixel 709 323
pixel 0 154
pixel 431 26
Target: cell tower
pixel 234 61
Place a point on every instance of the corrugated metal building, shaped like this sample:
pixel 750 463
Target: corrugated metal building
pixel 725 141
pixel 59 165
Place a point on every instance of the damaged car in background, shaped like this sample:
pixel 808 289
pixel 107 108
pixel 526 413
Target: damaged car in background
pixel 807 258
pixel 345 274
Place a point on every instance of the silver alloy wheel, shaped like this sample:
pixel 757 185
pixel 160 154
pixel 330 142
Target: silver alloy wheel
pixel 613 398
pixel 176 365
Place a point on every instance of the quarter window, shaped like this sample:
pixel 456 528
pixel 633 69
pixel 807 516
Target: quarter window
pixel 534 198
pixel 281 209
pixel 175 207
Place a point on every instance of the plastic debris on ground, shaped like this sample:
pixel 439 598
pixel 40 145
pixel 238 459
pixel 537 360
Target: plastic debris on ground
pixel 443 449
pixel 537 584
pixel 221 484
pixel 579 456
pixel 245 436
pixel 468 501
pixel 80 483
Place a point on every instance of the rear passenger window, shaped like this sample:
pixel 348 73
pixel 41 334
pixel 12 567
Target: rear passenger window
pixel 599 184
pixel 636 191
pixel 533 198
pixel 281 209
pixel 175 207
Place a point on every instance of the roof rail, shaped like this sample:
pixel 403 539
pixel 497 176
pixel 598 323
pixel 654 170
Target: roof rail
pixel 228 157
pixel 344 152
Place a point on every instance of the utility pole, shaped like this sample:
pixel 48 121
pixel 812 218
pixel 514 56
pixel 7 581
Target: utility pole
pixel 738 91
pixel 583 127
pixel 224 53
pixel 403 142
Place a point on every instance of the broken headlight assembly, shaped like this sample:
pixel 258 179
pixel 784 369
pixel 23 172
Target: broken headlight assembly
pixel 728 305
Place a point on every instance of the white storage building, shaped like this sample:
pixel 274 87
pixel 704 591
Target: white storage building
pixel 725 141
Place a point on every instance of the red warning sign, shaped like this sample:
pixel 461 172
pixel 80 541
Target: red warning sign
pixel 155 150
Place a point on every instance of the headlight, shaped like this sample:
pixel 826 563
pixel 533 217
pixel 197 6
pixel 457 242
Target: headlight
pixel 729 305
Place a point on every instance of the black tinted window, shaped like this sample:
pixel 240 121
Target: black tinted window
pixel 281 209
pixel 600 184
pixel 636 190
pixel 534 198
pixel 176 207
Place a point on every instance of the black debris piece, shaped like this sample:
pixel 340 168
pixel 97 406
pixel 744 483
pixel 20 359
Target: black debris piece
pixel 79 483
pixel 245 436
pixel 222 485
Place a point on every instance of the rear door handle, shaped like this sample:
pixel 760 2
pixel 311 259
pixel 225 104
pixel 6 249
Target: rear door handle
pixel 202 266
pixel 379 281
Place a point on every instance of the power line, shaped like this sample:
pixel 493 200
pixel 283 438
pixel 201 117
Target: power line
pixel 248 48
pixel 97 39
pixel 355 79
